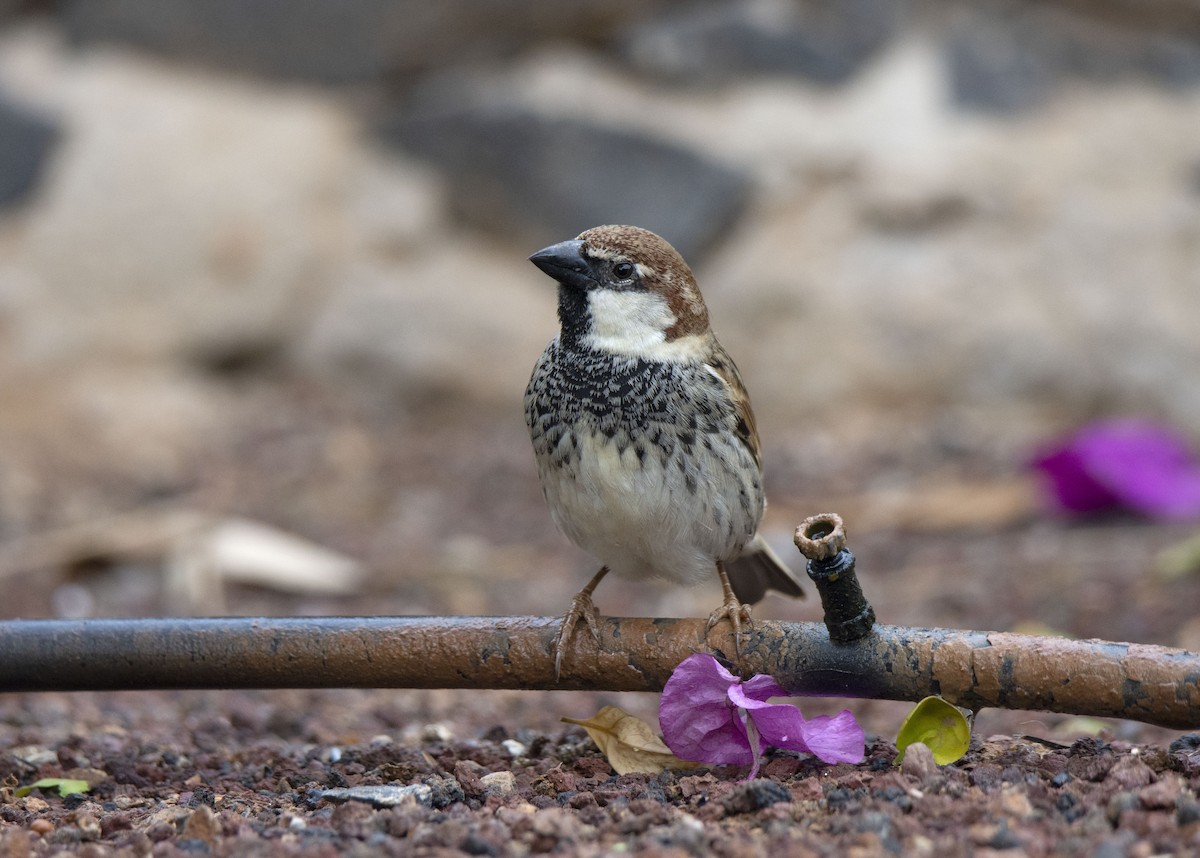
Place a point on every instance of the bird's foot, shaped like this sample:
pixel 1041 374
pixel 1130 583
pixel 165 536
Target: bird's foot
pixel 737 614
pixel 582 610
pixel 732 609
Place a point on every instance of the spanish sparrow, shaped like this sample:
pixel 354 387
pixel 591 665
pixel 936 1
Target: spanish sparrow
pixel 645 442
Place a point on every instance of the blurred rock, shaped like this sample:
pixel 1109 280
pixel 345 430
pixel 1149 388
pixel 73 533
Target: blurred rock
pixel 997 267
pixel 184 224
pixel 182 217
pixel 542 179
pixel 347 41
pixel 26 140
pixel 873 250
pixel 64 426
pixel 825 41
pixel 1007 57
pixel 999 65
pixel 460 322
pixel 391 204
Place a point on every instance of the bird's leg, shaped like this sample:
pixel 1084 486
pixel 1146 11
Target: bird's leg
pixel 581 609
pixel 731 609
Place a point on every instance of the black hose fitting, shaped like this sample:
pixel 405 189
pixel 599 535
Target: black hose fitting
pixel 848 614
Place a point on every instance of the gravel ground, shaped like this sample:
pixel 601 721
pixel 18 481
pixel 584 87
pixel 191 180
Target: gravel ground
pixel 267 773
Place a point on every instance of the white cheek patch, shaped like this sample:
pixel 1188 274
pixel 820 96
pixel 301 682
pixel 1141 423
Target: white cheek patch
pixel 624 321
pixel 634 324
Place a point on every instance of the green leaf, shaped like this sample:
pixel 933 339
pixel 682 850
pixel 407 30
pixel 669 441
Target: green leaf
pixel 940 726
pixel 65 787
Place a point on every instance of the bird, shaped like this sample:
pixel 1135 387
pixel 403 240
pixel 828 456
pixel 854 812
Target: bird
pixel 643 435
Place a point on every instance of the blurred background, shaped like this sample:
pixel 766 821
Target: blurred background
pixel 266 317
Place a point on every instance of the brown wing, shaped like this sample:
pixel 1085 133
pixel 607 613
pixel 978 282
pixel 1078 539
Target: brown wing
pixel 758 569
pixel 723 367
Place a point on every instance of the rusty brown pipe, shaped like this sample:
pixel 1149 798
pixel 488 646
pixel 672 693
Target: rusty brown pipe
pixel 1153 684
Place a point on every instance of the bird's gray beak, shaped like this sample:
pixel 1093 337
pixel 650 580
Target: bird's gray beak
pixel 566 263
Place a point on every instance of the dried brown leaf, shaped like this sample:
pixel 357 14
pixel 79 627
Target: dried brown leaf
pixel 628 743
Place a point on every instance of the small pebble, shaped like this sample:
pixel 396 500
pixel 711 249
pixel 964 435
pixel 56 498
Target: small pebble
pixel 755 795
pixel 515 748
pixel 1129 773
pixel 1015 803
pixel 808 789
pixel 1068 805
pixel 381 796
pixel 41 827
pixel 498 783
pixel 1188 812
pixel 33 756
pixel 918 761
pixel 1163 794
pixel 89 827
pixel 1188 743
pixel 201 825
pixel 160 831
pixel 443 791
pixel 33 804
pixel 1120 803
pixel 436 733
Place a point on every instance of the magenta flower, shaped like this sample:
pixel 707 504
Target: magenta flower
pixel 708 715
pixel 1124 464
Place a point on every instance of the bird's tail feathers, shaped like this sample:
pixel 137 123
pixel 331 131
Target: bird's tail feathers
pixel 759 569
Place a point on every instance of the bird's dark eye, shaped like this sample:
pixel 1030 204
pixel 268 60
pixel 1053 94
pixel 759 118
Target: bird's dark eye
pixel 623 270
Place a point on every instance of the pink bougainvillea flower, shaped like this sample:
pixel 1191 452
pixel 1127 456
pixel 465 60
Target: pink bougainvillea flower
pixel 708 715
pixel 1124 464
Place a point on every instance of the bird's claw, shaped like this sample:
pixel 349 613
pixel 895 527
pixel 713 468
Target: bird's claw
pixel 737 614
pixel 582 609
